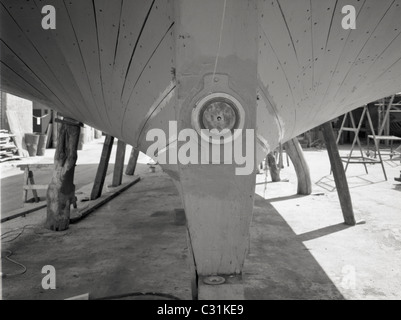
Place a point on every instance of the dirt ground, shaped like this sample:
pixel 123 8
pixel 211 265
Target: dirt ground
pixel 299 247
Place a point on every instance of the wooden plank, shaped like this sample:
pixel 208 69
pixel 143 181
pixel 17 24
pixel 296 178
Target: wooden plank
pixel 8 146
pixel 18 85
pixel 353 60
pixel 92 64
pixel 376 142
pixel 96 204
pixel 70 122
pixel 267 112
pixel 132 19
pixel 84 296
pixel 36 166
pixel 339 175
pixel 34 187
pixel 3 104
pixel 10 158
pixel 386 120
pixel 130 170
pixel 108 25
pixel 102 168
pixel 296 154
pixel 14 62
pixel 380 53
pixel 83 26
pixel 119 164
pixel 32 182
pixel 23 211
pixel 55 129
pixel 36 48
pixel 102 200
pixel 279 41
pixel 158 25
pixel 152 80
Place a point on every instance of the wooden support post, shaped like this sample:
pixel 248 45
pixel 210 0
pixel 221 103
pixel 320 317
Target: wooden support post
pixel 102 169
pixel 339 174
pixel 119 164
pixel 32 182
pixel 55 129
pixel 280 157
pixel 61 190
pixel 274 169
pixel 296 154
pixel 25 191
pixel 130 170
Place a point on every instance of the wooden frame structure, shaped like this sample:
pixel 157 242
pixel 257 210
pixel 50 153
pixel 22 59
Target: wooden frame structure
pixel 350 159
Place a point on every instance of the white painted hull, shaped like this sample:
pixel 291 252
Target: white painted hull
pixel 112 65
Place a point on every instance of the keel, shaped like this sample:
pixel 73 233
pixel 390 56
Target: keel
pixel 217 83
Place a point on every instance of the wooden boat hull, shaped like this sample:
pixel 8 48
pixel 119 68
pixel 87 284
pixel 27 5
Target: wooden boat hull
pixel 127 67
pixel 111 64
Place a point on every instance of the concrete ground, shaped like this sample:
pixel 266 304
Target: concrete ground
pixel 299 247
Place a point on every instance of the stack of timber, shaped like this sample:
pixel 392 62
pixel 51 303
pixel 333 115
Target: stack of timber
pixel 8 149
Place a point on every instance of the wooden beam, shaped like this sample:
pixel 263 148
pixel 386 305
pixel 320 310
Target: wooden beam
pixel 54 136
pixel 386 118
pixel 49 134
pixel 102 169
pixel 35 187
pixel 3 106
pixel 103 200
pixel 119 164
pixel 296 154
pixel 339 174
pixel 26 180
pixel 61 191
pixel 274 169
pixel 70 122
pixel 22 212
pixel 130 170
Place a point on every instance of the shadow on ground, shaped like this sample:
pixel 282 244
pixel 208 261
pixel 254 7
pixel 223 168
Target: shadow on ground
pixel 279 265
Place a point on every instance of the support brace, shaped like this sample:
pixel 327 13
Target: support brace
pixel 339 174
pixel 61 190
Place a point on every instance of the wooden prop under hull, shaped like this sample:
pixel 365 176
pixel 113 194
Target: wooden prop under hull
pixel 127 67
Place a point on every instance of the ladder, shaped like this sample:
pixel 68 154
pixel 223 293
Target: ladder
pixel 350 159
pixel 384 124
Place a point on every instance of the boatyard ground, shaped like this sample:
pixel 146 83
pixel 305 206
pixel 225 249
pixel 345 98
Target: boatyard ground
pixel 299 246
